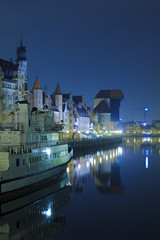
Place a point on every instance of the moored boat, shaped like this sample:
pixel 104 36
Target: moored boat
pixel 31 154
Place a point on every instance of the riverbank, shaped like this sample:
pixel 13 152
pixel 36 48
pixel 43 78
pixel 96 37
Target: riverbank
pixel 140 135
pixel 90 144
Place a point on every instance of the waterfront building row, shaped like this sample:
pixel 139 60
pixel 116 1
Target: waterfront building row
pixel 70 111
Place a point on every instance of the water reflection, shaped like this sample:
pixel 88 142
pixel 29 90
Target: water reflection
pixel 146 152
pixel 142 142
pixel 103 166
pixel 37 215
pixel 147 145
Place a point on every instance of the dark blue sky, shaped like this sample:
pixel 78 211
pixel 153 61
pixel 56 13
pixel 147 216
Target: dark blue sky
pixel 89 45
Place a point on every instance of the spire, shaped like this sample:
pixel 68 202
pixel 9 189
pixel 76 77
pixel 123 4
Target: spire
pixel 58 90
pixel 37 85
pixel 21 51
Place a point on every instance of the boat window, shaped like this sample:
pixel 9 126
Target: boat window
pixel 17 162
pixel 17 224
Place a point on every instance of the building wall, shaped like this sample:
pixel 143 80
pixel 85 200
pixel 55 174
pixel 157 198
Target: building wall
pixel 83 124
pixel 56 117
pixel 58 103
pixel 37 99
pixel 105 121
pixel 48 101
pixel 9 95
pixel 113 104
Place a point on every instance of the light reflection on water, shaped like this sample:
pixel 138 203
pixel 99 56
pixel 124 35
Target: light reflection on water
pixel 114 194
pixel 103 167
pixel 37 215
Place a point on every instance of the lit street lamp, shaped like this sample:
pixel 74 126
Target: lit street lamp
pixel 145 113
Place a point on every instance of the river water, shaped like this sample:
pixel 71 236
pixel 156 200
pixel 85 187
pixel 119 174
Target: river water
pixel 107 194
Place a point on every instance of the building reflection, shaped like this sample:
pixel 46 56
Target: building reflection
pixel 103 166
pixel 142 142
pixel 147 145
pixel 36 216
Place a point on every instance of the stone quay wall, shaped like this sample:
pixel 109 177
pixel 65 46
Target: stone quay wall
pixel 90 144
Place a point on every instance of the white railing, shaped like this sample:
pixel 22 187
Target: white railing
pixel 16 149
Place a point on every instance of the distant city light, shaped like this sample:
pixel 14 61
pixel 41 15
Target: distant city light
pixel 146 109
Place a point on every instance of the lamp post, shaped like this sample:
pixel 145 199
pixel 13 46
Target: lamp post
pixel 145 114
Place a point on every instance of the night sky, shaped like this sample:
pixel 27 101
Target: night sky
pixel 89 45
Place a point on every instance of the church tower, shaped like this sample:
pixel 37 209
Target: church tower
pixel 37 95
pixel 22 65
pixel 58 101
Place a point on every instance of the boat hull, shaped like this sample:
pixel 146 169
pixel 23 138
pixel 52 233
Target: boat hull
pixel 16 187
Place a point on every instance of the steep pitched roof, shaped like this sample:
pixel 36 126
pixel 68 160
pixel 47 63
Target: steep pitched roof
pixel 77 99
pixel 102 107
pixel 67 97
pixel 8 68
pixel 58 90
pixel 82 112
pixel 37 85
pixel 110 94
pixel 8 65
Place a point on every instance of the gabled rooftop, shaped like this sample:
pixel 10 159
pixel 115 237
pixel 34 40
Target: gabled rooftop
pixel 102 107
pixel 65 97
pixel 110 94
pixel 78 99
